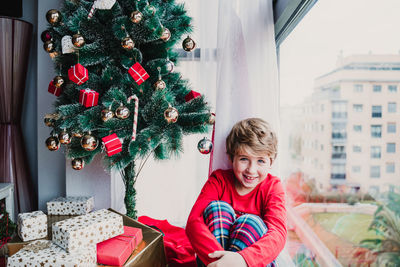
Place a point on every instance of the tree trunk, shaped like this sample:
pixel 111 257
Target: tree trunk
pixel 130 191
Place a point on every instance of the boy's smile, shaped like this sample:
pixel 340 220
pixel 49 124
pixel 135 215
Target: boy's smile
pixel 250 170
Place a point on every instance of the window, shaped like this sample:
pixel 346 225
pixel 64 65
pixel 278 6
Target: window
pixel 376 88
pixel 338 152
pixel 338 171
pixel 375 171
pixel 357 128
pixel 339 109
pixel 391 147
pixel 376 131
pixel 390 167
pixel 392 107
pixel 373 190
pixel 357 107
pixel 392 88
pixel 339 131
pixel 356 168
pixel 356 149
pixel 358 88
pixel 375 152
pixel 391 127
pixel 376 111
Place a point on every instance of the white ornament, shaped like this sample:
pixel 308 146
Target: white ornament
pixel 67 45
pixel 101 4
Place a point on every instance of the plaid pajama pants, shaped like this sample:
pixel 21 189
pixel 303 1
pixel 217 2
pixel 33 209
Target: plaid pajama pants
pixel 234 234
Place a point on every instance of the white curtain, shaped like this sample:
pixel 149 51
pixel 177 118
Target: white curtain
pixel 247 73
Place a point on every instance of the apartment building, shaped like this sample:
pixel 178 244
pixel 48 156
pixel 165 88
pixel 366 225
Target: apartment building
pixel 351 126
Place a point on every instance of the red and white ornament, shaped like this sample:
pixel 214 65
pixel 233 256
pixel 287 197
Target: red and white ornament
pixel 78 74
pixel 138 73
pixel 54 90
pixel 101 4
pixel 135 115
pixel 112 144
pixel 88 97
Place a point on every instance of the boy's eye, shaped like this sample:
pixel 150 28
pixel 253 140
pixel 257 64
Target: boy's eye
pixel 243 159
pixel 261 161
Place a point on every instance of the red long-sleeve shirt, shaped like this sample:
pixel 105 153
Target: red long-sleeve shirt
pixel 267 200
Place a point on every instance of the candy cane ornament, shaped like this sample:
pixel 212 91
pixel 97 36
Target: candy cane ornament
pixel 135 115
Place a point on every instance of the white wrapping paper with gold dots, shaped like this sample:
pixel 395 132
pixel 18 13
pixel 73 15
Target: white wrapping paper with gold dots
pixel 70 206
pixel 87 230
pixel 45 253
pixel 32 225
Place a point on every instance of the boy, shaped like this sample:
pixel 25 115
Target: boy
pixel 239 218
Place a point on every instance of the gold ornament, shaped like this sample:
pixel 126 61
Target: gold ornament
pixel 136 17
pixel 169 66
pixel 58 81
pixel 53 143
pixel 127 43
pixel 171 114
pixel 54 54
pixel 107 114
pixel 205 146
pixel 49 122
pixel 166 35
pixel 53 16
pixel 78 41
pixel 78 164
pixel 48 46
pixel 77 135
pixel 89 142
pixel 188 44
pixel 160 85
pixel 211 119
pixel 122 112
pixel 64 137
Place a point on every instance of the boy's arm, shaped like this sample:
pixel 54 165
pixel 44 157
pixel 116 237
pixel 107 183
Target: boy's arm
pixel 202 240
pixel 267 248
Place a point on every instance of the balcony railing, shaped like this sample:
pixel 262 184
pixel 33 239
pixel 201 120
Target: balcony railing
pixel 338 176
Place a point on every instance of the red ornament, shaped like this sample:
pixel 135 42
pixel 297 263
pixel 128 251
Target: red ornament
pixel 138 73
pixel 54 90
pixel 112 144
pixel 78 74
pixel 191 95
pixel 88 97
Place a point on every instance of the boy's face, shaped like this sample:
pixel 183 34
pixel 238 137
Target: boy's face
pixel 250 169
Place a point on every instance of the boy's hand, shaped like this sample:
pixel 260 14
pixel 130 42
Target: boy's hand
pixel 227 259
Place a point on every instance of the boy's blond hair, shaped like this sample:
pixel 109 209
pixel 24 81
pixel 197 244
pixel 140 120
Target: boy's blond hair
pixel 255 134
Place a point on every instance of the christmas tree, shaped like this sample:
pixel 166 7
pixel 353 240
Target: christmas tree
pixel 7 227
pixel 116 84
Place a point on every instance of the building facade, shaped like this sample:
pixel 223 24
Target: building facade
pixel 351 128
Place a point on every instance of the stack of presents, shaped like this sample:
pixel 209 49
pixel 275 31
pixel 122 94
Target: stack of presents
pixel 72 235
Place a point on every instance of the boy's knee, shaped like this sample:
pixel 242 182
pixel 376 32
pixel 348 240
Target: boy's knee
pixel 220 205
pixel 253 220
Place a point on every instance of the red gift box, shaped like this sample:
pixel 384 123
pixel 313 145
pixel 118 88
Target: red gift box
pixel 191 95
pixel 88 97
pixel 116 251
pixel 78 74
pixel 113 144
pixel 138 73
pixel 54 90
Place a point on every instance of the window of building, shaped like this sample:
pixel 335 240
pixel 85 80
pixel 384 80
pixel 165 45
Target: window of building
pixel 356 168
pixel 392 107
pixel 376 131
pixel 377 88
pixel 338 171
pixel 391 127
pixel 392 88
pixel 356 148
pixel 358 88
pixel 376 111
pixel 338 152
pixel 391 147
pixel 390 167
pixel 357 107
pixel 373 190
pixel 322 147
pixel 339 131
pixel 375 152
pixel 375 172
pixel 339 109
pixel 357 128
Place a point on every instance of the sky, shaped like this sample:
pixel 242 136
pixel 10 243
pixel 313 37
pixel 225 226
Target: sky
pixel 332 27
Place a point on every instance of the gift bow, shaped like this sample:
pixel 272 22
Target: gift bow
pixel 133 236
pixel 89 91
pixel 80 80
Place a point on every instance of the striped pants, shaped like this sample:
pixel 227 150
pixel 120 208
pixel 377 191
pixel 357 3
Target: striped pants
pixel 234 234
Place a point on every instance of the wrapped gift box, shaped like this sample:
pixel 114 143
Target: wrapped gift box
pixel 52 89
pixel 88 97
pixel 138 73
pixel 113 144
pixel 70 206
pixel 86 230
pixel 116 251
pixel 45 253
pixel 32 225
pixel 78 74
